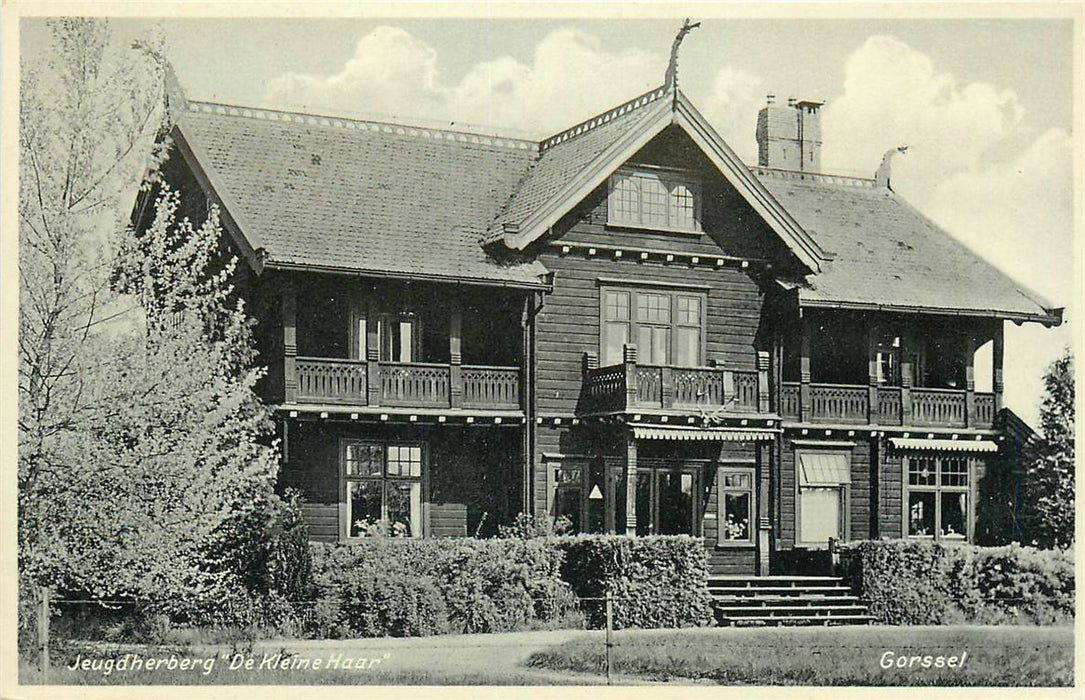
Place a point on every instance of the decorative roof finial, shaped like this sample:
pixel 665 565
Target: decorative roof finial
pixel 670 82
pixel 882 176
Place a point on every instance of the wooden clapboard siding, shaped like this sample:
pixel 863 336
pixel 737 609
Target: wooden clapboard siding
pixel 446 519
pixel 858 495
pixel 890 488
pixel 733 561
pixel 322 519
pixel 724 559
pixel 568 325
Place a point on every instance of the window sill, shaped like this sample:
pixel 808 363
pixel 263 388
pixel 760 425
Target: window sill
pixel 654 229
pixel 724 544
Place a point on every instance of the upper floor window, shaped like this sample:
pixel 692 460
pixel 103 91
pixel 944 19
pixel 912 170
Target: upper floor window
pixel 658 199
pixel 666 327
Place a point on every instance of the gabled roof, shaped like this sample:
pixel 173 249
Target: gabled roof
pixel 576 161
pixel 889 256
pixel 368 197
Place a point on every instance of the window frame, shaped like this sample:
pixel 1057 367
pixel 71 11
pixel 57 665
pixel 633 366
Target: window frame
pixel 938 489
pixel 844 489
pixel 633 325
pixel 385 478
pixel 668 178
pixel 722 471
pixel 362 315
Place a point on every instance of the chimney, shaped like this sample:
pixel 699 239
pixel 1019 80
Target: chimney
pixel 789 137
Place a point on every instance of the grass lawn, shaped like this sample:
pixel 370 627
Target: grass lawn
pixel 997 656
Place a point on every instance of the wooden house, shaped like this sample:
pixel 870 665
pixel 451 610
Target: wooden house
pixel 622 323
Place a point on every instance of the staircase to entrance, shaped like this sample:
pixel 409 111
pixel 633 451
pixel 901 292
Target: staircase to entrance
pixel 785 600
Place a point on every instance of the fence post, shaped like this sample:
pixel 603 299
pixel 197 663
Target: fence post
pixel 610 630
pixel 43 635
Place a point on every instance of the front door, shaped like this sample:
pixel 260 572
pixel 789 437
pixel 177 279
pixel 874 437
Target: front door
pixel 667 502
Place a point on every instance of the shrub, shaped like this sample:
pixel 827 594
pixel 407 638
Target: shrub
pixel 655 581
pixel 915 583
pixel 483 585
pixel 527 526
pixel 374 600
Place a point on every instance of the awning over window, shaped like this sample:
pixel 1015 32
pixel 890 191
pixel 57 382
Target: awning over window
pixel 655 432
pixel 944 445
pixel 824 468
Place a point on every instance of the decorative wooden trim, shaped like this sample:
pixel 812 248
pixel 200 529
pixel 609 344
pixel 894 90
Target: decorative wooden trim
pixel 625 281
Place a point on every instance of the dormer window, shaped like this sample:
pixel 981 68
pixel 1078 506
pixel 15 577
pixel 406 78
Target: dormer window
pixel 655 198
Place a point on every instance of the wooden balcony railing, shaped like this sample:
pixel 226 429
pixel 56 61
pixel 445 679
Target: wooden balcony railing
pixel 911 406
pixel 406 384
pixel 630 386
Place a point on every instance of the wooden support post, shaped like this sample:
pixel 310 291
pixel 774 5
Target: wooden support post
pixel 372 355
pixel 629 360
pixel 906 392
pixel 996 364
pixel 666 390
pixel 764 520
pixel 610 629
pixel 969 350
pixel 806 396
pixel 455 355
pixel 290 343
pixel 762 381
pixel 872 374
pixel 630 483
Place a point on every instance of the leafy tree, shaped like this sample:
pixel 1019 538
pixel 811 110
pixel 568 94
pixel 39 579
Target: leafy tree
pixel 1049 481
pixel 139 431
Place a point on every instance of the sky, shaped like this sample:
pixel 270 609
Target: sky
pixel 984 105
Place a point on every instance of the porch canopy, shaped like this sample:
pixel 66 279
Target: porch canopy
pixel 656 432
pixel 944 445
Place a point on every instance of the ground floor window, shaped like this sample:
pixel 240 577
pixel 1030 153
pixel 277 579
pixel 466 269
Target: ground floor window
pixel 667 502
pixel 937 494
pixel 736 505
pixel 382 485
pixel 823 480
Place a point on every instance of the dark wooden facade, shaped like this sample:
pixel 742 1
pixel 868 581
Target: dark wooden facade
pixel 515 405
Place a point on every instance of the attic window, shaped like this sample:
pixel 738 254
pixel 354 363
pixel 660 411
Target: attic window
pixel 656 199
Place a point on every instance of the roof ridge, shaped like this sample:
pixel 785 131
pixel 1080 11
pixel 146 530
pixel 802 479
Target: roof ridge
pixel 401 128
pixel 824 178
pixel 603 118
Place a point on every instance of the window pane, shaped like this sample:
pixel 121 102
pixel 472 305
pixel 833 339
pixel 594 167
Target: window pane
pixel 921 514
pixel 364 507
pixel 954 471
pixel 617 335
pixel 653 202
pixel 404 509
pixel 689 346
pixel 362 338
pixel 820 509
pixel 682 207
pixel 661 346
pixel 921 471
pixel 406 344
pixel 624 200
pixel 675 503
pixel 689 311
pixel 617 306
pixel 954 516
pixel 364 460
pixel 741 481
pixel 735 525
pixel 567 499
pixel 654 308
pixel 404 460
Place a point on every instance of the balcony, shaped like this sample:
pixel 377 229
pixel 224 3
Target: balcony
pixel 891 406
pixel 629 386
pixel 406 384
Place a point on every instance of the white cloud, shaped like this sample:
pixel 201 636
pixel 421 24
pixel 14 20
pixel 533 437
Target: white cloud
pixel 732 105
pixel 393 73
pixel 894 96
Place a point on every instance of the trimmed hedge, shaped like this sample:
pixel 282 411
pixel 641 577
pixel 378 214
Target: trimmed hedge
pixel 908 582
pixel 659 581
pixel 421 587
